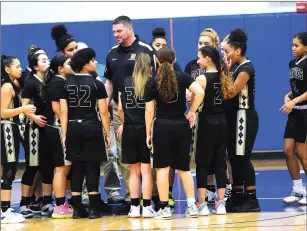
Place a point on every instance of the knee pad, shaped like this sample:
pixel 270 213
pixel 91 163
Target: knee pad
pixel 28 175
pixel 8 175
pixel 48 175
pixel 201 177
pixel 211 170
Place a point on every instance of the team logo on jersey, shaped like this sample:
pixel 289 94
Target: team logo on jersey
pixel 132 57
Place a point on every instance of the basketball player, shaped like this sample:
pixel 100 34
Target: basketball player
pixel 65 42
pixel 37 155
pixel 171 132
pixel 296 106
pixel 242 120
pixel 112 184
pixel 212 127
pixel 158 42
pixel 131 108
pixel 60 69
pixel 82 130
pixel 119 64
pixel 208 37
pixel 10 137
pixel 36 189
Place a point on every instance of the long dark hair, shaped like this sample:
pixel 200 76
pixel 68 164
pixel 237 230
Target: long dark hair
pixel 6 61
pixel 167 81
pixel 226 81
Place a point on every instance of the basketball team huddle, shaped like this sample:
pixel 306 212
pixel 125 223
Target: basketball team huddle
pixel 158 117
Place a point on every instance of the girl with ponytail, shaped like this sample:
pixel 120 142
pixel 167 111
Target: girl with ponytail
pixel 211 132
pixel 172 130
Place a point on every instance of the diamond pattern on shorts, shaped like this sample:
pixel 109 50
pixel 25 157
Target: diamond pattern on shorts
pixel 241 128
pixel 9 137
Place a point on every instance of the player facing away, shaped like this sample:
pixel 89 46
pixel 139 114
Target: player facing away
pixel 295 106
pixel 171 135
pixel 82 130
pixel 131 108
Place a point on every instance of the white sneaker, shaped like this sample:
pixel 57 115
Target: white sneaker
pixel 211 197
pixel 148 211
pixel 203 209
pixel 135 211
pixel 164 214
pixel 295 196
pixel 192 211
pixel 47 210
pixel 10 217
pixel 220 208
pixel 303 201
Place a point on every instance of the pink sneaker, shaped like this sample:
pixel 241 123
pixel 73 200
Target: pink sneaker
pixel 62 212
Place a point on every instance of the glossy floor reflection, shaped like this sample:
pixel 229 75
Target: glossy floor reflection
pixel 273 185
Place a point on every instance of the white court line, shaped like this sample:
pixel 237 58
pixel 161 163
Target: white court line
pixel 258 199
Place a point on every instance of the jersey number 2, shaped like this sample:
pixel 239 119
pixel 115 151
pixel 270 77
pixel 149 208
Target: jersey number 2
pixel 83 91
pixel 217 98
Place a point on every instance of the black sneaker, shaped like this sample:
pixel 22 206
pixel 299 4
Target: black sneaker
pixel 26 212
pixel 123 209
pixel 105 209
pixel 36 206
pixel 234 203
pixel 250 206
pixel 116 200
pixel 80 213
pixel 94 213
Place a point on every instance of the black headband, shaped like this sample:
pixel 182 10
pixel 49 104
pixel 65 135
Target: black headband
pixel 57 61
pixel 64 41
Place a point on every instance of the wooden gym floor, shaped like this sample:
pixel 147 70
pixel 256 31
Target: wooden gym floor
pixel 273 183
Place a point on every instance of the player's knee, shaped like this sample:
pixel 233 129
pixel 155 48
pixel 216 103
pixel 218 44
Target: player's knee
pixel 92 185
pixel 28 175
pixel 8 175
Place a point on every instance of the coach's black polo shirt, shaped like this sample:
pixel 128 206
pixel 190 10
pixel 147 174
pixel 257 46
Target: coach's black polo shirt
pixel 120 62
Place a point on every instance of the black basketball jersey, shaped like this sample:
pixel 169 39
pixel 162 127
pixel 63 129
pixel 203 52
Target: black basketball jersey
pixel 213 95
pixel 82 93
pixel 15 102
pixel 34 89
pixel 53 92
pixel 246 97
pixel 176 107
pixel 298 77
pixel 134 107
pixel 193 69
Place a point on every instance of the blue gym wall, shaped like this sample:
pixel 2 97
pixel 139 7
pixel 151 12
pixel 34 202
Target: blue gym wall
pixel 269 48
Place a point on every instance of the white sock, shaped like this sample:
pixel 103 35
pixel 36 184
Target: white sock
pixel 298 183
pixel 191 201
pixel 68 194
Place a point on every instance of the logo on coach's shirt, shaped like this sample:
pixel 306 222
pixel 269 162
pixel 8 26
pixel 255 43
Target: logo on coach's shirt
pixel 132 57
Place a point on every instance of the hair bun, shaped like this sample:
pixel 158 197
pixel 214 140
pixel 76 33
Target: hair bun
pixel 58 31
pixel 159 32
pixel 238 35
